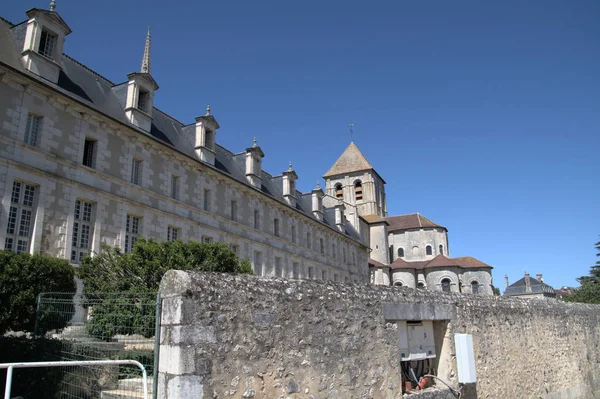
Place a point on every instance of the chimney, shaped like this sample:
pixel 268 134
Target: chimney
pixel 317 202
pixel 506 280
pixel 527 283
pixel 254 156
pixel 539 277
pixel 339 216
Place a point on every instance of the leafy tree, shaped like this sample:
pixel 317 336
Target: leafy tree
pixel 22 278
pixel 495 290
pixel 589 289
pixel 140 272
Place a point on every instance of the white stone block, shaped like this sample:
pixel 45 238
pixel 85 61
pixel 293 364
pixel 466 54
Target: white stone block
pixel 176 360
pixel 192 334
pixel 185 387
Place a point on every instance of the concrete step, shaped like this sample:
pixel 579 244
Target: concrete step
pixel 134 384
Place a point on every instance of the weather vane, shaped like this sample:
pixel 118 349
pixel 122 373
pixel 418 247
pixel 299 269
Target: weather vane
pixel 350 126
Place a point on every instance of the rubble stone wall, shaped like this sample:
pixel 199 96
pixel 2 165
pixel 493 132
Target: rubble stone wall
pixel 249 337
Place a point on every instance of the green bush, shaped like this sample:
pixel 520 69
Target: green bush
pixel 31 383
pixel 22 278
pixel 140 272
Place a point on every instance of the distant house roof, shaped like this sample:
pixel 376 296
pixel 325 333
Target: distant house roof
pixel 537 287
pixel 351 160
pixel 411 221
pixel 440 261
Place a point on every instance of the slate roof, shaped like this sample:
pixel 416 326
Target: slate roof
pixel 537 287
pixel 351 160
pixel 440 261
pixel 410 221
pixel 92 90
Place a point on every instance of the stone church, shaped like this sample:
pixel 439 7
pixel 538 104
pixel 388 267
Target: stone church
pixel 85 161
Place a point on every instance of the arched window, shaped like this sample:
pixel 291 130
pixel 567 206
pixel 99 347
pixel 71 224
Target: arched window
pixel 428 250
pixel 446 285
pixel 401 252
pixel 420 285
pixel 398 284
pixel 475 287
pixel 358 192
pixel 441 249
pixel 339 191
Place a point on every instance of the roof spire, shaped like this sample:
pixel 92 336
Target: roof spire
pixel 350 126
pixel 52 5
pixel 146 57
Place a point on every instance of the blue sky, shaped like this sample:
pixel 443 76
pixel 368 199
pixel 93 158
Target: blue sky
pixel 482 115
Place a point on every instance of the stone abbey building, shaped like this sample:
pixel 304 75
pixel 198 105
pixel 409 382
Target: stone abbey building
pixel 86 161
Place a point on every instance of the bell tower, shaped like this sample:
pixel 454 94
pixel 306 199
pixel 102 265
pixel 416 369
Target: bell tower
pixel 353 180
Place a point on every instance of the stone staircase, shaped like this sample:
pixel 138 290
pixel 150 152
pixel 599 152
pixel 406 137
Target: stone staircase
pixel 130 388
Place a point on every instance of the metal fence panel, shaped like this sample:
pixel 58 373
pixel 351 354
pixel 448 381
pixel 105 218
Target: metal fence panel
pixel 102 326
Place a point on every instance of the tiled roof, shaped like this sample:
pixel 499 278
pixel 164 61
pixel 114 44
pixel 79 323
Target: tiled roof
pixel 373 219
pixel 468 261
pixel 373 262
pixel 439 261
pixel 411 221
pixel 351 160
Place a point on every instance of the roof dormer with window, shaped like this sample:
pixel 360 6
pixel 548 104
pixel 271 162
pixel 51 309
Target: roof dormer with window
pixel 140 93
pixel 254 156
pixel 44 40
pixel 205 137
pixel 289 186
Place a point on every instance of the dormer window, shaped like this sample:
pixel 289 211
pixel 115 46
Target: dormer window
pixel 47 43
pixel 143 100
pixel 210 139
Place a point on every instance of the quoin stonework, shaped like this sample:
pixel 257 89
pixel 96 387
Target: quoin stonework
pixel 86 161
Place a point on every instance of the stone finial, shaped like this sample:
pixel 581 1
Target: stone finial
pixel 255 145
pixel 318 186
pixel 208 110
pixel 290 168
pixel 145 68
pixel 52 5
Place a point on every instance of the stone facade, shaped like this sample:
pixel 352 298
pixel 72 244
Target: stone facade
pixel 249 337
pixel 85 162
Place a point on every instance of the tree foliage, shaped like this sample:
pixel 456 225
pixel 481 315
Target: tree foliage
pixel 22 278
pixel 139 273
pixel 495 290
pixel 589 289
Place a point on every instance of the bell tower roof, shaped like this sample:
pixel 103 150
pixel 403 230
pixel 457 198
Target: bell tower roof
pixel 351 160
